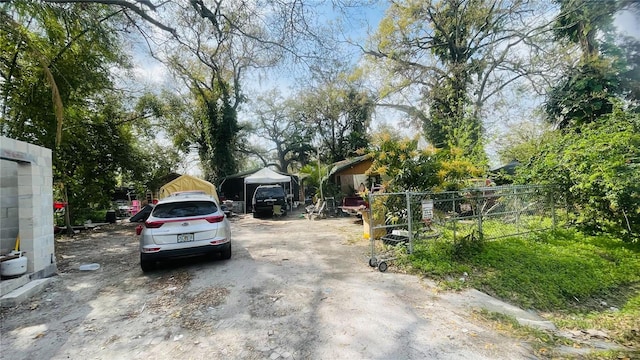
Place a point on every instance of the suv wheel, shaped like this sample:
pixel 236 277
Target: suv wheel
pixel 226 253
pixel 147 265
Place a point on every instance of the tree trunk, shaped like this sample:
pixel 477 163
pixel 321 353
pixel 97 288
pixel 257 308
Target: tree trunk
pixel 67 216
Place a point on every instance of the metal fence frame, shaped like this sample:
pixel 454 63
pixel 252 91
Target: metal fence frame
pixel 511 210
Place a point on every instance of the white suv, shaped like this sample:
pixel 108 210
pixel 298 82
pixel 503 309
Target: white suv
pixel 184 224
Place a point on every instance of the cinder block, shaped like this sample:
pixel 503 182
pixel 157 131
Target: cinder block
pixel 9 201
pixel 12 213
pixel 26 233
pixel 8 181
pixel 46 221
pixel 33 149
pixel 25 213
pixel 9 230
pixel 25 196
pixel 47 180
pixel 9 168
pixel 24 188
pixel 36 182
pixel 36 171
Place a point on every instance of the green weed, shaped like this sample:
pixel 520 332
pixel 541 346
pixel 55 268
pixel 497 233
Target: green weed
pixel 582 281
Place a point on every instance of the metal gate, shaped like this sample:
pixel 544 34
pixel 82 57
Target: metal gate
pixel 487 213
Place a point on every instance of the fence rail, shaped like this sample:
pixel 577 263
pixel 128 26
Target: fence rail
pixel 488 213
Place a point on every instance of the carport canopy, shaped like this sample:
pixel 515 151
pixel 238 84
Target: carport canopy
pixel 266 176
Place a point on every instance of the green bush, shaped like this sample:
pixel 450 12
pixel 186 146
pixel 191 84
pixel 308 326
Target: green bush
pixel 597 171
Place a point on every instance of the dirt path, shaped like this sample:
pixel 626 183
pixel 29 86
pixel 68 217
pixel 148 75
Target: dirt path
pixel 294 289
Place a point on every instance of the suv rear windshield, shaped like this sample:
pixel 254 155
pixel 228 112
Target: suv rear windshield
pixel 183 209
pixel 270 192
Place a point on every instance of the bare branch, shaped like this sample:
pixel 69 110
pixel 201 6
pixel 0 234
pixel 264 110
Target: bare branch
pixel 128 5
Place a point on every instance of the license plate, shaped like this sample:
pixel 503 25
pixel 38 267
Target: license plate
pixel 185 238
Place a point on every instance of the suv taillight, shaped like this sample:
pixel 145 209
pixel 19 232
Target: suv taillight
pixel 153 224
pixel 214 219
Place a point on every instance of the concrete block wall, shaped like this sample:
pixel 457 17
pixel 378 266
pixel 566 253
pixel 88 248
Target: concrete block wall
pixel 35 203
pixel 8 205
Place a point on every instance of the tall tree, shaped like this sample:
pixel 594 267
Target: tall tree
pixel 400 160
pixel 217 142
pixel 210 61
pixel 631 76
pixel 340 116
pixel 57 52
pixel 218 44
pixel 55 63
pixel 227 39
pixel 451 57
pixel 290 139
pixel 602 71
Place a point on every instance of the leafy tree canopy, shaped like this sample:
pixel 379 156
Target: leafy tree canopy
pixel 289 139
pixel 451 57
pixel 57 66
pixel 606 68
pixel 340 115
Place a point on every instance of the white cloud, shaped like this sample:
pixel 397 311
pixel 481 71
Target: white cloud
pixel 628 23
pixel 150 72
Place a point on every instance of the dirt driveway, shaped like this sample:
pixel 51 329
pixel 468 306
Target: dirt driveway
pixel 294 289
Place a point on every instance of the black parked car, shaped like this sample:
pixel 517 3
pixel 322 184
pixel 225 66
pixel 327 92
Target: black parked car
pixel 265 197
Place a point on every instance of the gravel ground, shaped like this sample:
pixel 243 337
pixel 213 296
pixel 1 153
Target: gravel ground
pixel 293 289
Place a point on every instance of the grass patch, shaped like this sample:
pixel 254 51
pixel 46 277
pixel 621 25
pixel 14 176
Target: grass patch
pixel 557 271
pixel 584 281
pixel 435 258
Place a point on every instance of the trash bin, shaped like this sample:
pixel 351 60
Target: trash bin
pixel 111 216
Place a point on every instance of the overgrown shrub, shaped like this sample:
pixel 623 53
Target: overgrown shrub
pixel 597 171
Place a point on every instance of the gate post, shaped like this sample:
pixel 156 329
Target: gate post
pixel 478 198
pixel 410 222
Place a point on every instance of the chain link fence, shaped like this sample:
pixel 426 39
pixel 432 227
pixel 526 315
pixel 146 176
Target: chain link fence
pixel 486 213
